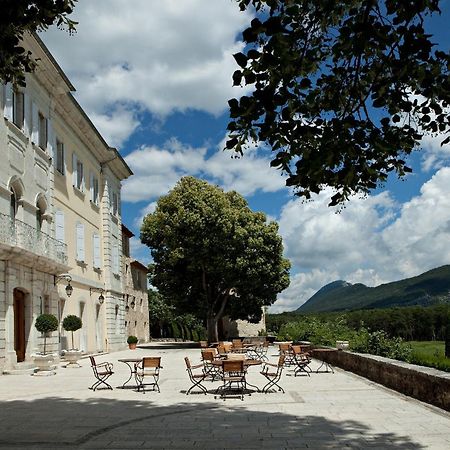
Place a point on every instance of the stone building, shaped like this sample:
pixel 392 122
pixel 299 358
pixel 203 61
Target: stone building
pixel 135 292
pixel 60 218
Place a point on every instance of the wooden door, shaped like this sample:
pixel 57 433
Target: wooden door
pixel 19 325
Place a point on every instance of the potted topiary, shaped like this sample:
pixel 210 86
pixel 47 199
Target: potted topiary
pixel 132 341
pixel 72 323
pixel 45 323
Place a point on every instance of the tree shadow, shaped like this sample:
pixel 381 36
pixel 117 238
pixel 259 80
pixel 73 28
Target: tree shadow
pixel 110 423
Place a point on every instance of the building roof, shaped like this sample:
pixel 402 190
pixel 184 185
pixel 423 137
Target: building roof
pixel 127 232
pixel 139 265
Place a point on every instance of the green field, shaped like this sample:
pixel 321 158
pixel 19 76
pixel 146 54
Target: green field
pixel 431 354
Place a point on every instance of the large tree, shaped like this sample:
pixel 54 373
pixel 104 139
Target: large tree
pixel 20 16
pixel 342 91
pixel 213 256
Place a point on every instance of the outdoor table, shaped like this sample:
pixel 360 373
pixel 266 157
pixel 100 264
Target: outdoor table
pixel 324 363
pixel 131 363
pixel 247 363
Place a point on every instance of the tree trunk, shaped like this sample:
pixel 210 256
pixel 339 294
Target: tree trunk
pixel 211 328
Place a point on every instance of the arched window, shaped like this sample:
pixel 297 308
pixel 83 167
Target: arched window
pixel 41 206
pixel 13 205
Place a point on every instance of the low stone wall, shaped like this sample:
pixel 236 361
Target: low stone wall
pixel 423 383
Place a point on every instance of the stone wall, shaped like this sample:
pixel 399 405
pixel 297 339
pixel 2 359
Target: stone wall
pixel 423 383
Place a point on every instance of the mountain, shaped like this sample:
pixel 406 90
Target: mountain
pixel 427 289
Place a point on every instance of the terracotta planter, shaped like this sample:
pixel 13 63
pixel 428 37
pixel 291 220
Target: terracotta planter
pixel 132 346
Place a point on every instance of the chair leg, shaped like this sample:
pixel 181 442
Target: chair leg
pixel 101 381
pixel 197 384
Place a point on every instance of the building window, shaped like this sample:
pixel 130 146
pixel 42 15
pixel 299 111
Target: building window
pixel 80 242
pixel 78 173
pixel 43 131
pixel 60 157
pixel 13 205
pixel 114 203
pixel 96 251
pixel 18 109
pixel 94 188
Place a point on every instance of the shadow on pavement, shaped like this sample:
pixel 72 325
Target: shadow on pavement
pixel 107 423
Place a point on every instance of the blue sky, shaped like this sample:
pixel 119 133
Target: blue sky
pixel 155 80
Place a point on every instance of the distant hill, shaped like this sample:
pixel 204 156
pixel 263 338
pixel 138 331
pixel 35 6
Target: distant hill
pixel 430 288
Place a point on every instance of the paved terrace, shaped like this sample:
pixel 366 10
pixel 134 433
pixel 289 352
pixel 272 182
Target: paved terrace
pixel 323 411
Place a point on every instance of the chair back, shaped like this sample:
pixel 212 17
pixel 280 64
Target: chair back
pixel 208 354
pixel 281 361
pixel 151 362
pixel 237 343
pixel 296 349
pixel 284 347
pixel 188 363
pixel 236 356
pixel 233 365
pixel 93 363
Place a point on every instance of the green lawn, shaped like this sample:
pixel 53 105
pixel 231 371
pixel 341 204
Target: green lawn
pixel 430 353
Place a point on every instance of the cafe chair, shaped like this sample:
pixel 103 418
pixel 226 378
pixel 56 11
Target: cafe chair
pixel 302 361
pixel 212 371
pixel 148 369
pixel 196 378
pixel 286 350
pixel 234 382
pixel 273 376
pixel 102 372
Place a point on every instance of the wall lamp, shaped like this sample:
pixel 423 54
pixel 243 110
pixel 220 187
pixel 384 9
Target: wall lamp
pixel 101 299
pixel 66 277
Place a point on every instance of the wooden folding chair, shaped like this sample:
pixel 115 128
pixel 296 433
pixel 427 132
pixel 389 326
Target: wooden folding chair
pixel 302 361
pixel 273 377
pixel 149 367
pixel 233 377
pixel 196 378
pixel 102 372
pixel 212 371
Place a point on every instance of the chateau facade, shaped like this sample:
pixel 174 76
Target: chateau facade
pixel 60 216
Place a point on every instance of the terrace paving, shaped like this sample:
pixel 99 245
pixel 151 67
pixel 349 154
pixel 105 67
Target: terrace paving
pixel 339 410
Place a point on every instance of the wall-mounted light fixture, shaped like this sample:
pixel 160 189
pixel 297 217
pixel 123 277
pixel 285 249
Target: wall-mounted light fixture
pixel 66 277
pixel 101 299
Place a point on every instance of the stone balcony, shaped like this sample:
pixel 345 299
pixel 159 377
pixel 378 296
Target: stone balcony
pixel 26 245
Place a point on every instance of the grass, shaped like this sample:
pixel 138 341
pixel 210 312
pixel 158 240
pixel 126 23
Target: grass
pixel 430 354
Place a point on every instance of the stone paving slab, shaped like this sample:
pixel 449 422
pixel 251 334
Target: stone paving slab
pixel 322 411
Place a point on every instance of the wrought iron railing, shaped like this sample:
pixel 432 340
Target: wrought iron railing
pixel 19 234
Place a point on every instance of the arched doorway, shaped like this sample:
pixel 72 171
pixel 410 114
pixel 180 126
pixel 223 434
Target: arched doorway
pixel 19 325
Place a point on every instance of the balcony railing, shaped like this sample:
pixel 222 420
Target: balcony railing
pixel 19 234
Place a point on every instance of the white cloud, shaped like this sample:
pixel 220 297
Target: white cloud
pixel 371 241
pixel 161 56
pixel 156 170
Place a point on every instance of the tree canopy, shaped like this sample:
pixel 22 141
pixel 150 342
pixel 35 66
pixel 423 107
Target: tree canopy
pixel 20 16
pixel 213 256
pixel 342 91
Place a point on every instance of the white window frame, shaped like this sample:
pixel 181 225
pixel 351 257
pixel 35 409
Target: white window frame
pixel 43 131
pixel 96 251
pixel 78 173
pixel 94 189
pixel 60 157
pixel 80 253
pixel 18 109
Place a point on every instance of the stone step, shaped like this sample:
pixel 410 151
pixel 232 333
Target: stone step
pixel 23 368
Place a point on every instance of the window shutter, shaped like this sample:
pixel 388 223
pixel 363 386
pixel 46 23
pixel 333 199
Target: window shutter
pixel 50 138
pixel 74 169
pixel 27 114
pixel 96 251
pixel 59 226
pixel 8 112
pixel 91 187
pixel 35 123
pixel 80 242
pixel 115 258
